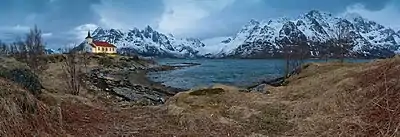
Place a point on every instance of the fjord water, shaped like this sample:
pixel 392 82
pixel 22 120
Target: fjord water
pixel 237 72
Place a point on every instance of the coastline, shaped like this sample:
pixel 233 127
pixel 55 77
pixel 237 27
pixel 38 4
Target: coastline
pixel 130 83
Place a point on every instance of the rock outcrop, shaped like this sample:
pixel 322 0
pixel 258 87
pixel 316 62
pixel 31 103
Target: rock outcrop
pixel 126 90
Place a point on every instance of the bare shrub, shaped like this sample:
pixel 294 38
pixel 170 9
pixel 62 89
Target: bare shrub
pixel 341 40
pixel 31 50
pixel 85 60
pixel 295 53
pixel 72 68
pixel 4 50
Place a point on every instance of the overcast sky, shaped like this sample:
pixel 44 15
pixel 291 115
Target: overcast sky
pixel 66 21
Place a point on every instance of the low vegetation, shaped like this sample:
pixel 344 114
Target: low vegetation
pixel 323 99
pixel 212 91
pixel 344 99
pixel 22 114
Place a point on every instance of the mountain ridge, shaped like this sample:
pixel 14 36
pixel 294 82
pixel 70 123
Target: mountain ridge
pixel 370 39
pixel 262 39
pixel 148 42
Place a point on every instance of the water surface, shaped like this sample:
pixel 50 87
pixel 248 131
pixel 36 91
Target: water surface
pixel 237 72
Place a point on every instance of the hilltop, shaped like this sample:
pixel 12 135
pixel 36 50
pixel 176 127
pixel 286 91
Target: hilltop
pixel 332 99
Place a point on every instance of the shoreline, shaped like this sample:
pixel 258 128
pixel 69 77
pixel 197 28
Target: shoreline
pixel 147 81
pixel 132 84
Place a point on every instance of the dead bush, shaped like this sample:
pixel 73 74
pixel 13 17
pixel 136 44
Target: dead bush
pixel 72 67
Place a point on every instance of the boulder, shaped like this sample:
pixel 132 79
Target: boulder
pixel 262 88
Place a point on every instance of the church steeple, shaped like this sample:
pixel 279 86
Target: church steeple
pixel 89 38
pixel 88 35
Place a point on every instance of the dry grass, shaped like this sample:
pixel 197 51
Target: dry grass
pixel 375 101
pixel 236 113
pixel 331 99
pixel 11 63
pixel 23 115
pixel 337 99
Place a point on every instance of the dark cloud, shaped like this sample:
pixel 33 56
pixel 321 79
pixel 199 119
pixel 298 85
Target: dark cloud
pixel 185 18
pixel 326 5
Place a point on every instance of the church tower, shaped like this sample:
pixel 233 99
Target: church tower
pixel 89 38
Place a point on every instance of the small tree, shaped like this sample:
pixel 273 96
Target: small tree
pixel 295 52
pixel 3 49
pixel 13 48
pixel 31 50
pixel 22 52
pixel 72 68
pixel 323 49
pixel 86 60
pixel 36 50
pixel 341 40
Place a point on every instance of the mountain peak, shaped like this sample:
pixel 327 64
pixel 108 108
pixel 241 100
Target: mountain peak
pixel 253 22
pixel 148 28
pixel 317 14
pixel 135 29
pixel 97 31
pixel 149 42
pixel 353 16
pixel 314 12
pixel 263 39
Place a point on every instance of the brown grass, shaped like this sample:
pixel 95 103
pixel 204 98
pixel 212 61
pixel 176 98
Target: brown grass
pixel 375 101
pixel 337 99
pixel 333 99
pixel 23 115
pixel 236 113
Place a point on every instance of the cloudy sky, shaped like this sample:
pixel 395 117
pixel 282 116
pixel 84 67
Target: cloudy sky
pixel 66 21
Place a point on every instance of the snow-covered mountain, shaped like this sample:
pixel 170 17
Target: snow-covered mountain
pixel 51 51
pixel 263 39
pixel 148 42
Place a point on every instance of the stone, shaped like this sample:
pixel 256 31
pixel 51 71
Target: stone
pixel 262 88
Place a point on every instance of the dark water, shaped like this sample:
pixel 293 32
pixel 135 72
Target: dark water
pixel 238 72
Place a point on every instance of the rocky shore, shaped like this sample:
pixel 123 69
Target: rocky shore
pixel 129 82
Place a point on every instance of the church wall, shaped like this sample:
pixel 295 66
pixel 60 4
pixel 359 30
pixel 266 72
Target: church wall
pixel 105 50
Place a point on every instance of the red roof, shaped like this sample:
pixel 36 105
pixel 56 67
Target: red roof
pixel 102 44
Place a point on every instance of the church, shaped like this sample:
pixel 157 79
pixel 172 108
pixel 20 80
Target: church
pixel 98 46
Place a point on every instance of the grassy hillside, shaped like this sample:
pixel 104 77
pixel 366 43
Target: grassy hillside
pixel 325 99
pixel 345 99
